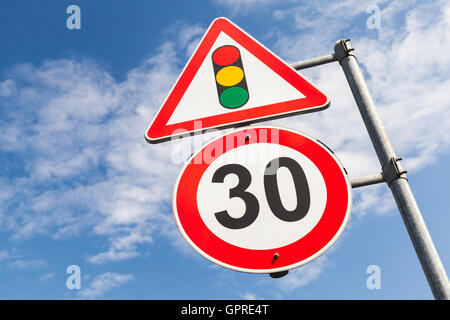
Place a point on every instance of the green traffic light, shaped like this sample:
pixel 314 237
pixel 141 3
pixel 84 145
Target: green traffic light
pixel 234 97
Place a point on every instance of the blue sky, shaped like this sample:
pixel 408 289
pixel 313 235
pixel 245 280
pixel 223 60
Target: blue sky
pixel 80 186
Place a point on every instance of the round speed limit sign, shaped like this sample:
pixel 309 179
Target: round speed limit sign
pixel 262 200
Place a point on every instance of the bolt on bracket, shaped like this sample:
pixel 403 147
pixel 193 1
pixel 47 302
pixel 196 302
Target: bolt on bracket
pixel 393 170
pixel 342 49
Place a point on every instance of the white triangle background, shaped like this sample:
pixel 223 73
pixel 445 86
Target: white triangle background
pixel 264 85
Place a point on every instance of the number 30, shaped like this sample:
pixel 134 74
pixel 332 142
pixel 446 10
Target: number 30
pixel 271 190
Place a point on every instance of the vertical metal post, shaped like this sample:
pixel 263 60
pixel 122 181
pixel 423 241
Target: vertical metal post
pixel 393 174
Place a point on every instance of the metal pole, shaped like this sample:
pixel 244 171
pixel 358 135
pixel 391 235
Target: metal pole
pixel 393 174
pixel 313 62
pixel 367 180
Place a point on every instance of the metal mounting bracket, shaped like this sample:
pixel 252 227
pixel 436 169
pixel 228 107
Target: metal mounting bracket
pixel 392 170
pixel 342 49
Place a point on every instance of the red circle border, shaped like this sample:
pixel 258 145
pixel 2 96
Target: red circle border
pixel 320 238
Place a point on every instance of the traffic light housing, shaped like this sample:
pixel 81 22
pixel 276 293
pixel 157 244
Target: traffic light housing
pixel 230 77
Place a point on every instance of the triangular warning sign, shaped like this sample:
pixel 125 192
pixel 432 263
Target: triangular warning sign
pixel 232 79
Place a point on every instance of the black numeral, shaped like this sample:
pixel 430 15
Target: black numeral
pixel 251 203
pixel 271 189
pixel 273 193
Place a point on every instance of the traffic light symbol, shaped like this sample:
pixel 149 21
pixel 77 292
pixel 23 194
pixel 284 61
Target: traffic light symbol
pixel 230 77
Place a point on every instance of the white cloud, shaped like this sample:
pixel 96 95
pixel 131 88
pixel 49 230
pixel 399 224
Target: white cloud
pixel 103 283
pixel 89 166
pixel 249 296
pixel 7 88
pixel 413 95
pixel 239 7
pixel 189 36
pixel 46 277
pixel 304 275
pixel 4 255
pixel 16 261
pixel 27 264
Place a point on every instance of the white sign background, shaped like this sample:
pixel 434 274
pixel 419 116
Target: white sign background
pixel 267 231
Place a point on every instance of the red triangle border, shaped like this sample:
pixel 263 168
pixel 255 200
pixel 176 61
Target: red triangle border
pixel 313 100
